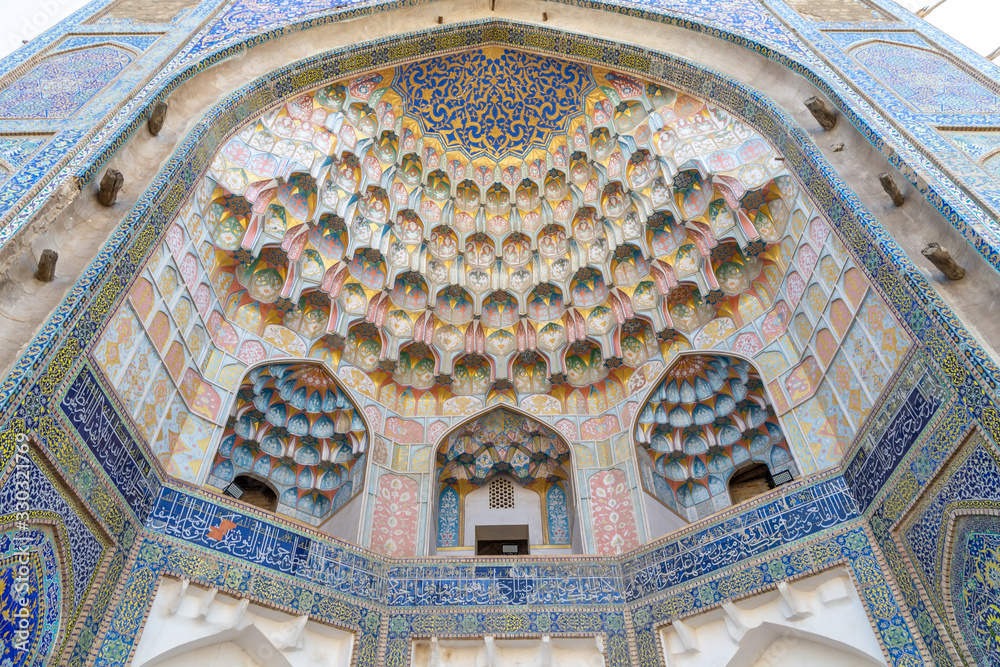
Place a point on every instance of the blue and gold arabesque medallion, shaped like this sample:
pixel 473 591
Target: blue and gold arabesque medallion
pixel 494 102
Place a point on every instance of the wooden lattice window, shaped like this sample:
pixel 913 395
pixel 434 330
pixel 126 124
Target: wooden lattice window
pixel 501 494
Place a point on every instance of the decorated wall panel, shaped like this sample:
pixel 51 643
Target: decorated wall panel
pixel 830 358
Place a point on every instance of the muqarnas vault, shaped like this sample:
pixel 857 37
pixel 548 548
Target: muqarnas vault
pixel 437 333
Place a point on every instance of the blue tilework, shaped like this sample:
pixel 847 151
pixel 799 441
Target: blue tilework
pixel 61 84
pixel 83 547
pixel 589 583
pixel 847 39
pixel 975 144
pixel 738 538
pixel 448 517
pixel 33 184
pixel 943 338
pixel 24 180
pixel 924 80
pixel 558 516
pixel 522 101
pixel 89 410
pixel 909 482
pixel 28 562
pixel 188 537
pixel 886 447
pixel 974 592
pixel 15 151
pixel 41 43
pixel 157 556
pixel 849 547
pixel 975 483
pixel 86 547
pixel 240 535
pixel 136 42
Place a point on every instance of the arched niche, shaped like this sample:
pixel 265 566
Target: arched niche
pixel 31 572
pixel 295 430
pixel 709 416
pixel 968 584
pixel 504 477
pixel 748 481
pixel 254 490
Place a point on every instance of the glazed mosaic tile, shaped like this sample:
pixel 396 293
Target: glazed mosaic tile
pixel 972 591
pixel 741 537
pixel 273 547
pixel 510 586
pixel 847 39
pixel 817 526
pixel 15 151
pixel 37 552
pixel 85 543
pixel 96 420
pixel 62 84
pixel 137 42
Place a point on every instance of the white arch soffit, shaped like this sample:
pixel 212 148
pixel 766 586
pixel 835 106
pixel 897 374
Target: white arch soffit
pixel 251 642
pixel 820 619
pixel 192 626
pixel 772 645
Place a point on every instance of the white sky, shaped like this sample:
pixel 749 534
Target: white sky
pixel 25 19
pixel 972 22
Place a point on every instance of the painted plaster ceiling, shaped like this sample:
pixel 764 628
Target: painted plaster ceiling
pixel 494 221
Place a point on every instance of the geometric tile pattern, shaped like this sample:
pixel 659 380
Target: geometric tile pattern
pixel 975 590
pixel 15 151
pixel 926 80
pixel 60 85
pixel 34 592
pixel 942 342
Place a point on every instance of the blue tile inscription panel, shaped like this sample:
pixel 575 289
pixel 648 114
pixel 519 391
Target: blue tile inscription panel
pixel 92 414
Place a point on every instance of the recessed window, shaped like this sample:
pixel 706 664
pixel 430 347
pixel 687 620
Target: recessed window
pixel 254 492
pixel 502 541
pixel 750 482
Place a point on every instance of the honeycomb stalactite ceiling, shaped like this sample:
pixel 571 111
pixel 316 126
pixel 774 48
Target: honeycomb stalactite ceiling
pixel 503 442
pixel 708 417
pixel 397 220
pixel 294 427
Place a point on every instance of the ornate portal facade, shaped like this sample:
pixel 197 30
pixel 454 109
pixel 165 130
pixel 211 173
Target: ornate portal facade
pixel 501 332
